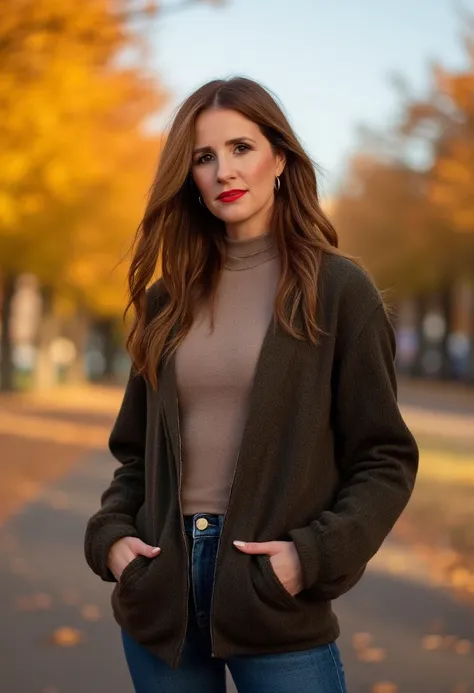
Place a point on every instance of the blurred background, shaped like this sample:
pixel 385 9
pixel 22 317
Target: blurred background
pixel 382 96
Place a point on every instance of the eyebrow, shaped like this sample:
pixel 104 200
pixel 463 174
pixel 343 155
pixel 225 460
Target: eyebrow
pixel 234 140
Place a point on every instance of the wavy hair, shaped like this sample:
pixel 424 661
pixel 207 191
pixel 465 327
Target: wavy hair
pixel 189 240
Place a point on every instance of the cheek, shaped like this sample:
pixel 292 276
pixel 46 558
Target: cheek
pixel 260 175
pixel 204 179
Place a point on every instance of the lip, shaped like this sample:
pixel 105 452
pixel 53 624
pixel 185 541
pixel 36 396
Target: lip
pixel 231 195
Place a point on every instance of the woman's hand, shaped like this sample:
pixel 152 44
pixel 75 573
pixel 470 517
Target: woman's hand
pixel 284 559
pixel 124 550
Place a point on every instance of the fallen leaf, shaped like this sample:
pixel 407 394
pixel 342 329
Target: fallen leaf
pixel 34 602
pixel 372 654
pixel 66 637
pixel 431 642
pixel 462 647
pixel 90 612
pixel 361 640
pixel 384 687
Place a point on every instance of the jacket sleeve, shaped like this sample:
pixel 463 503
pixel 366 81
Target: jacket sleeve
pixel 378 461
pixel 121 501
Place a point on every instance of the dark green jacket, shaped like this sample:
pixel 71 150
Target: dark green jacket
pixel 325 460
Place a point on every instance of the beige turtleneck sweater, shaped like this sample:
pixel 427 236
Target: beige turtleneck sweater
pixel 215 372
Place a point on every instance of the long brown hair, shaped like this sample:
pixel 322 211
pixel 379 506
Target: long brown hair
pixel 189 240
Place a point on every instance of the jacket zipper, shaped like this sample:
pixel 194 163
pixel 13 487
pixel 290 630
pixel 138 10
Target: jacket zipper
pixel 217 557
pixel 153 503
pixel 183 532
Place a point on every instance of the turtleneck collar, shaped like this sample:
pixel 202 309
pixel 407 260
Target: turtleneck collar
pixel 250 252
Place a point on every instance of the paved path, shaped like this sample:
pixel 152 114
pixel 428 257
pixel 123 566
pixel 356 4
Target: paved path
pixel 399 634
pixel 46 586
pixel 456 398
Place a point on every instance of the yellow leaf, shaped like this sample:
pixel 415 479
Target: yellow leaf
pixel 66 637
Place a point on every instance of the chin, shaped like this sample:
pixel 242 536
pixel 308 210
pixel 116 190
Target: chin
pixel 232 215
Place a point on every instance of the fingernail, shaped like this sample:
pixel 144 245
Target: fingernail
pixel 156 549
pixel 239 543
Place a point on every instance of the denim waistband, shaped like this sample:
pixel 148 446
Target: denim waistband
pixel 203 525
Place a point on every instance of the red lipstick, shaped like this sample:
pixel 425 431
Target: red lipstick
pixel 231 195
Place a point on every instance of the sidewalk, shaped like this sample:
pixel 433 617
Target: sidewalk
pixel 403 629
pixel 396 627
pixel 453 398
pixel 438 396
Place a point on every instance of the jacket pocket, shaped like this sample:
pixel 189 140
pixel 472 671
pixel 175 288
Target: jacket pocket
pixel 252 609
pixel 149 600
pixel 269 587
pixel 140 586
pixel 131 569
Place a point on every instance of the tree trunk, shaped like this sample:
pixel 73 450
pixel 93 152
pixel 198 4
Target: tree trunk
pixel 107 329
pixel 6 346
pixel 79 333
pixel 446 304
pixel 421 308
pixel 45 375
pixel 470 365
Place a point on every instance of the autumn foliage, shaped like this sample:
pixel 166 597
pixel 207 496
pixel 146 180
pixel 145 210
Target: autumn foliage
pixel 74 156
pixel 412 220
pixel 76 148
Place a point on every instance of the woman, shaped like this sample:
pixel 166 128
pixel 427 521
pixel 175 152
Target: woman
pixel 263 455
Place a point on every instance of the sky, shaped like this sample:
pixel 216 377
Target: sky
pixel 329 62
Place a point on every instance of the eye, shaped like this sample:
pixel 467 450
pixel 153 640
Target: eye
pixel 242 148
pixel 203 159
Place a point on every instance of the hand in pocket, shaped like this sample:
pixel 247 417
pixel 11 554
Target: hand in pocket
pixel 124 550
pixel 284 559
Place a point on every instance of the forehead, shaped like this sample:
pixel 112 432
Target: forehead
pixel 217 125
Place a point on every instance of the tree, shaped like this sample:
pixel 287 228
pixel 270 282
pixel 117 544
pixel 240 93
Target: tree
pixel 446 120
pixel 383 216
pixel 410 218
pixel 66 106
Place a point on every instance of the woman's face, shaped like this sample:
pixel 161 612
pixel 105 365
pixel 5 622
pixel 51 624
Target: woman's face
pixel 234 168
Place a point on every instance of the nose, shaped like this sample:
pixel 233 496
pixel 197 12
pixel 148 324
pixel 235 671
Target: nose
pixel 225 171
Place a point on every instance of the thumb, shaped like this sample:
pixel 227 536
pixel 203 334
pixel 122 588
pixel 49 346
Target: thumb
pixel 257 547
pixel 142 549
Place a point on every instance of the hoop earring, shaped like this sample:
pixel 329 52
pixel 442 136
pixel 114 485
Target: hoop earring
pixel 277 183
pixel 201 202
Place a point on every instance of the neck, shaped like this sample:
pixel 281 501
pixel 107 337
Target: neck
pixel 256 226
pixel 236 233
pixel 247 253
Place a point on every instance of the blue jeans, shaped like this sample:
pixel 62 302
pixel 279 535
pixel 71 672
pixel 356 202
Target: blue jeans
pixel 318 670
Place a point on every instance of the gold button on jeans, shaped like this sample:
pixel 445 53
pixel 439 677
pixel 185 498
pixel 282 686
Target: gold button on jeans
pixel 202 523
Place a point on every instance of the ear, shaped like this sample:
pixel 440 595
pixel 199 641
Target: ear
pixel 280 163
